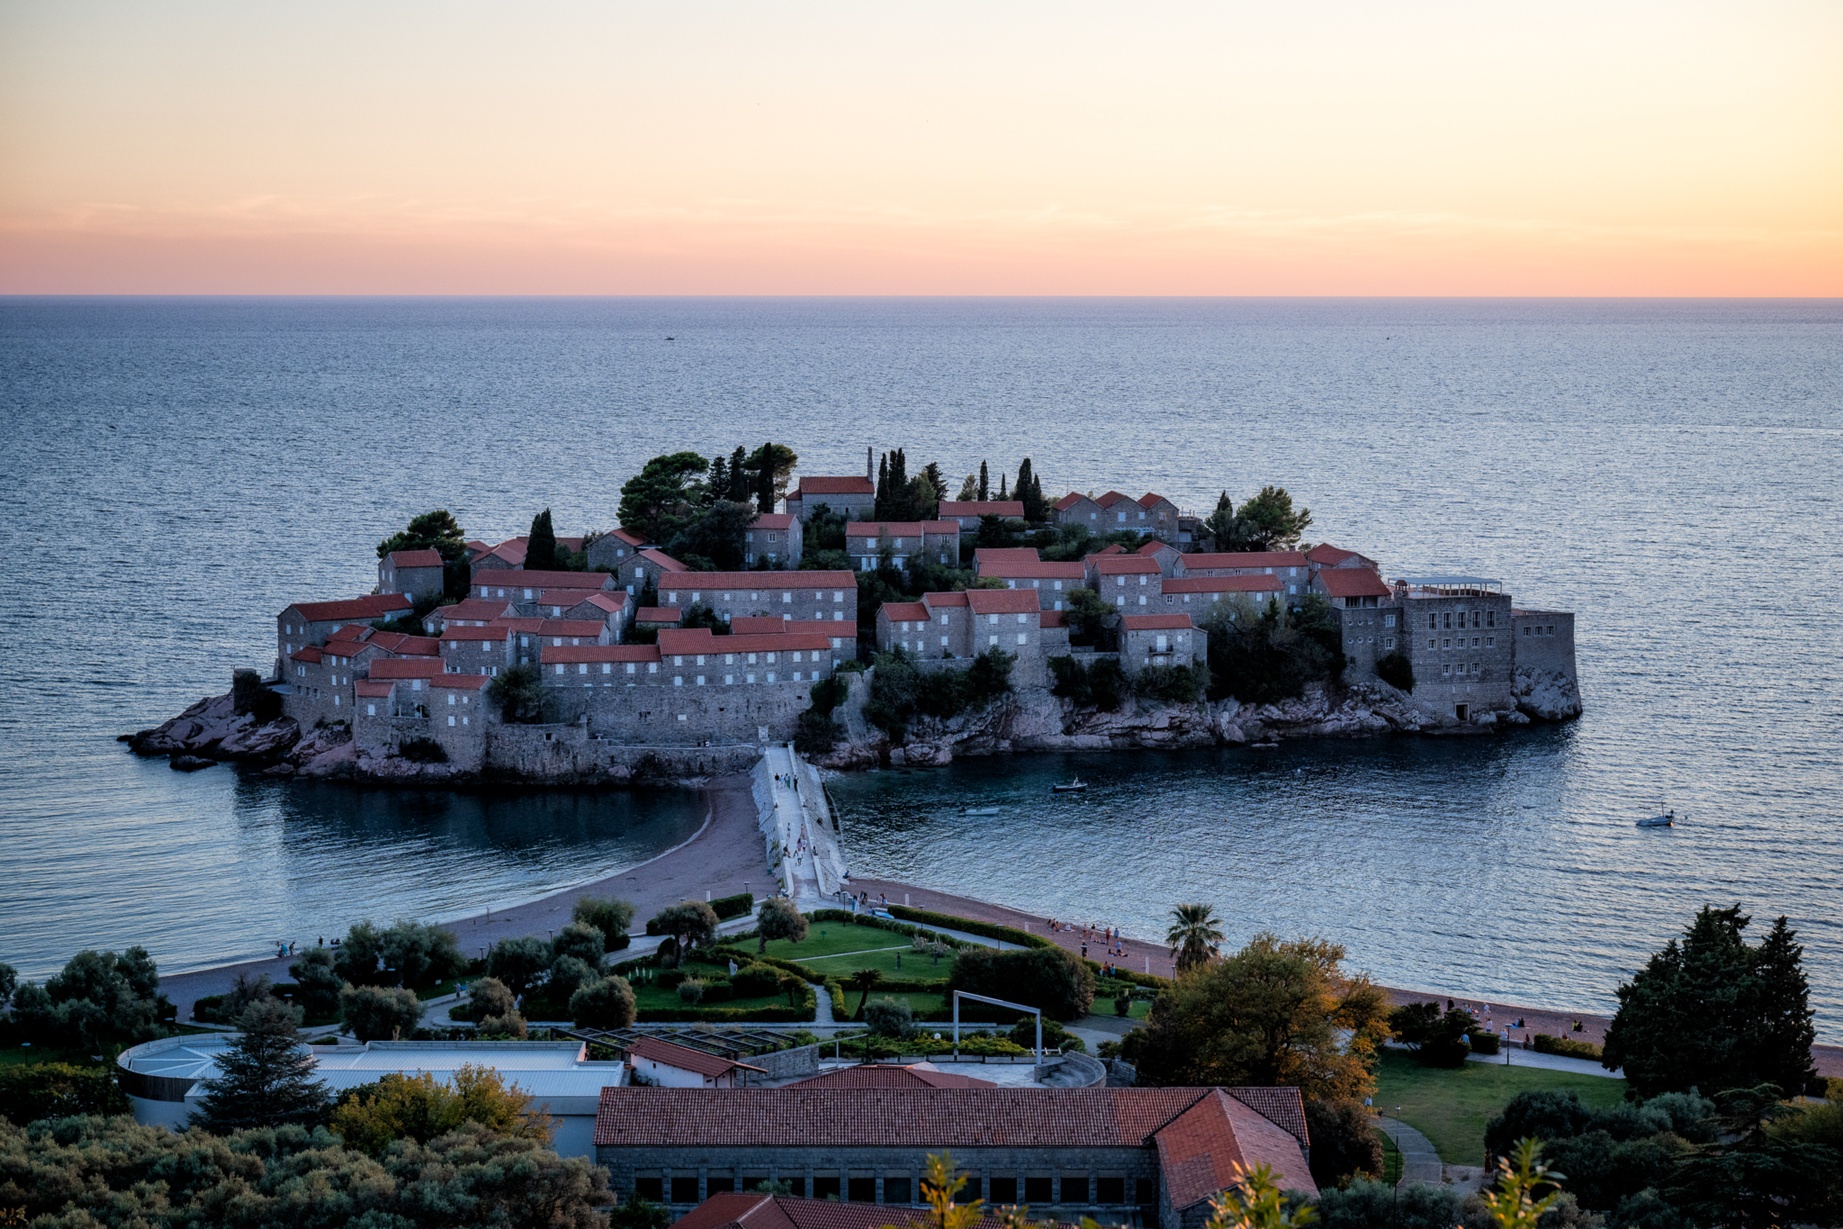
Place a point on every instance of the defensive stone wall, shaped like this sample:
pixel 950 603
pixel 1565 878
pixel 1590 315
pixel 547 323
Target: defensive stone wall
pixel 657 715
pixel 570 753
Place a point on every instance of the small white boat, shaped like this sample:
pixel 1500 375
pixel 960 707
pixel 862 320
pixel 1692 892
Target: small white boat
pixel 1667 819
pixel 980 811
pixel 1069 787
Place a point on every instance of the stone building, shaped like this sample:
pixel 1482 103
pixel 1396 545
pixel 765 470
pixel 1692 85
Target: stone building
pixel 960 626
pixel 1161 640
pixel 1150 514
pixel 1051 582
pixel 1144 1156
pixel 411 574
pixel 818 595
pixel 609 551
pixel 470 612
pixel 855 498
pixel 967 513
pixel 773 539
pixel 1365 608
pixel 615 609
pixel 1130 583
pixel 1457 633
pixel 843 637
pixel 906 541
pixel 1198 596
pixel 477 650
pixel 526 589
pixel 1291 566
pixel 310 623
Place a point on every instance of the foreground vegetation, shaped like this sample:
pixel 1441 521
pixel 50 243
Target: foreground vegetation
pixel 1452 1105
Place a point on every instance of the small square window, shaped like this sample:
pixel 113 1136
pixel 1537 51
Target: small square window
pixel 1075 1188
pixel 825 1187
pixel 1004 1190
pixel 861 1190
pixel 650 1189
pixel 685 1190
pixel 1037 1190
pixel 896 1190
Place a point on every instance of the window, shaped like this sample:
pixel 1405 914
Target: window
pixel 1145 1190
pixel 684 1190
pixel 1388 620
pixel 700 680
pixel 1004 1190
pixel 451 721
pixel 1023 637
pixel 1447 643
pixel 1388 642
pixel 1475 642
pixel 1075 1188
pixel 1526 629
pixel 825 1187
pixel 1110 1190
pixel 678 680
pixel 719 1184
pixel 1490 642
pixel 650 1189
pixel 1446 668
pixel 969 1192
pixel 861 1190
pixel 1490 618
pixel 1037 1191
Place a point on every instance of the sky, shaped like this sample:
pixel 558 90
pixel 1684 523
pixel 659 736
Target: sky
pixel 992 148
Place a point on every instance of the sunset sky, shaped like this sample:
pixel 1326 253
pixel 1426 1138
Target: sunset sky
pixel 1365 148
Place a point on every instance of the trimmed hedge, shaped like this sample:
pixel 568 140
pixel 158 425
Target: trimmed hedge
pixel 971 926
pixel 1567 1047
pixel 779 1013
pixel 726 907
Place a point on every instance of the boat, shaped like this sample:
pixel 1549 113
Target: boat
pixel 980 811
pixel 1069 787
pixel 1666 819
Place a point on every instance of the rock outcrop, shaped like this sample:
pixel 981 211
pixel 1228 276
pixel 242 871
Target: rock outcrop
pixel 213 730
pixel 1546 695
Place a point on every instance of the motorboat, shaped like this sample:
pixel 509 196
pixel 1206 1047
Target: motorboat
pixel 1069 787
pixel 1666 819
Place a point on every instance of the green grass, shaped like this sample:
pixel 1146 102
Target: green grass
pixel 1451 1106
pixel 914 967
pixel 1391 1159
pixel 831 938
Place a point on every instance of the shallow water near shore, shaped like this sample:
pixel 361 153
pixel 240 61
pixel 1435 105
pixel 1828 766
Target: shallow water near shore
pixel 176 471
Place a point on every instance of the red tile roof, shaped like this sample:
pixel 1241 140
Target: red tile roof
pixel 1244 559
pixel 1152 548
pixel 982 507
pixel 1151 500
pixel 683 641
pixel 684 1058
pixel 628 536
pixel 404 645
pixel 1112 548
pixel 987 556
pixel 1329 555
pixel 1353 582
pixel 512 550
pixel 1002 601
pixel 772 520
pixel 613 603
pixel 658 614
pixel 520 578
pixel 520 623
pixel 427 558
pixel 357 609
pixel 372 689
pixel 1204 1150
pixel 492 631
pixel 571 627
pixel 473 610
pixel 663 561
pixel 932 1118
pixel 889 1075
pixel 823 627
pixel 1111 498
pixel 461 682
pixel 944 599
pixel 905 612
pixel 759 625
pixel 564 596
pixel 309 654
pixel 834 486
pixel 1068 501
pixel 1053 618
pixel 406 667
pixel 571 654
pixel 1034 570
pixel 750 1210
pixel 1261 583
pixel 729 582
pixel 1156 623
pixel 1123 565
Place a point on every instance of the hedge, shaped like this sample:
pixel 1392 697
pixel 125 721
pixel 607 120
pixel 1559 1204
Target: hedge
pixel 1565 1046
pixel 726 907
pixel 32 1091
pixel 883 923
pixel 971 926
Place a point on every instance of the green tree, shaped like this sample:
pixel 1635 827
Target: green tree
pixel 437 531
pixel 985 483
pixel 419 954
pixel 520 963
pixel 770 468
pixel 779 918
pixel 581 940
pixel 265 1077
pixel 890 1017
pixel 31 1091
pixel 1524 1191
pixel 718 484
pixel 541 544
pixel 487 997
pixel 643 1214
pixel 1711 1012
pixel 1089 618
pixel 1268 655
pixel 657 501
pixel 1056 982
pixel 863 981
pixel 606 1003
pixel 359 953
pixel 1268 522
pixel 1395 669
pixel 738 491
pixel 98 1001
pixel 1193 936
pixel 610 915
pixel 519 693
pixel 714 539
pixel 379 1013
pixel 1344 1144
pixel 1272 1013
pixel 374 1116
pixel 9 981
pixel 989 677
pixel 690 923
pixel 1221 524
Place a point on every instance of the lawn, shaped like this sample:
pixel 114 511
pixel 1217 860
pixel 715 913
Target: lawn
pixel 831 938
pixel 1391 1159
pixel 913 966
pixel 1450 1106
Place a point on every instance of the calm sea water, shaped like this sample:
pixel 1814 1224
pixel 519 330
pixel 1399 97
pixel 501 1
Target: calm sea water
pixel 176 471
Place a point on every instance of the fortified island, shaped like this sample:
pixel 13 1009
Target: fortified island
pixel 868 620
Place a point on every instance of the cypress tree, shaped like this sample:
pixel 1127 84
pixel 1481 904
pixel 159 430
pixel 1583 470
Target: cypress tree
pixel 883 487
pixel 985 484
pixel 1782 1012
pixel 1036 509
pixel 738 491
pixel 266 1077
pixel 1001 488
pixel 899 473
pixel 1021 488
pixel 541 548
pixel 720 478
pixel 764 481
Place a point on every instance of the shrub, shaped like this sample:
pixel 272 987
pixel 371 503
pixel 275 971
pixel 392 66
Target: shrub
pixel 691 991
pixel 520 963
pixel 1100 685
pixel 508 1027
pixel 487 997
pixel 1483 1042
pixel 755 980
pixel 1396 670
pixel 379 1013
pixel 249 697
pixel 1057 982
pixel 581 940
pixel 1344 1145
pixel 1055 1037
pixel 1565 1046
pixel 316 984
pixel 888 1017
pixel 608 1003
pixel 816 733
pixel 422 751
pixel 946 921
pixel 828 693
pixel 726 907
pixel 33 1091
pixel 519 693
pixel 567 975
pixel 607 914
pixel 1171 684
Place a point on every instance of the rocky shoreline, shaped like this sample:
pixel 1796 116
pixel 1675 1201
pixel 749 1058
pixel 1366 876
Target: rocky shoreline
pixel 212 731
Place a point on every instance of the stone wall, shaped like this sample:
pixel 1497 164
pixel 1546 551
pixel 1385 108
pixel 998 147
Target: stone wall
pixel 667 715
pixel 571 754
pixel 1460 647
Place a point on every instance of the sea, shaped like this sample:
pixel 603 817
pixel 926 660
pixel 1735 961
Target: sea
pixel 175 471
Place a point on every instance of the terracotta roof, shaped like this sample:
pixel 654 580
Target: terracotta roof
pixel 683 641
pixel 1244 559
pixel 492 631
pixel 1034 570
pixel 684 1057
pixel 628 536
pixel 571 627
pixel 564 595
pixel 1111 498
pixel 1151 500
pixel 1053 618
pixel 512 550
pixel 987 556
pixel 772 520
pixel 1353 582
pixel 520 623
pixel 406 667
pixel 658 614
pixel 613 603
pixel 982 507
pixel 1259 583
pixel 372 689
pixel 663 561
pixel 403 644
pixel 944 599
pixel 751 1210
pixel 900 529
pixel 372 606
pixel 1153 547
pixel 905 612
pixel 571 654
pixel 520 578
pixel 1112 548
pixel 1123 564
pixel 759 625
pixel 834 486
pixel 474 609
pixel 728 582
pixel 1330 555
pixel 426 558
pixel 889 1075
pixel 309 654
pixel 1156 623
pixel 1068 501
pixel 461 682
pixel 1002 601
pixel 823 627
pixel 1204 1150
pixel 931 1118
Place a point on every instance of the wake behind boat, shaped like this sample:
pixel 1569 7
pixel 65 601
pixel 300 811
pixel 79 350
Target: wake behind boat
pixel 1075 786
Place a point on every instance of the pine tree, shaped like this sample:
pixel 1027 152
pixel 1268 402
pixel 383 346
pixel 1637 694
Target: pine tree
pixel 720 478
pixel 266 1077
pixel 899 473
pixel 541 547
pixel 1038 507
pixel 1782 1012
pixel 985 484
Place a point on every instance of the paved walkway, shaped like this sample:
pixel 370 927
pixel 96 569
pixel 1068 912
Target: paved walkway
pixel 1520 1057
pixel 1419 1161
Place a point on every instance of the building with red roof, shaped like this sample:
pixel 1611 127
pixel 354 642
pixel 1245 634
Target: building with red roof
pixel 525 589
pixel 968 513
pixel 1112 512
pixel 959 626
pixel 868 543
pixel 414 575
pixel 664 1064
pixel 853 497
pixel 774 540
pixel 1126 581
pixel 1291 566
pixel 1161 640
pixel 831 596
pixel 1150 1156
pixel 892 1075
pixel 610 550
pixel 1022 569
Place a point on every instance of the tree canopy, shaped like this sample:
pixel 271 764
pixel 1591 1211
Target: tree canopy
pixel 1711 1012
pixel 98 1001
pixel 780 918
pixel 1056 982
pixel 437 530
pixel 1267 522
pixel 541 544
pixel 266 1078
pixel 1193 936
pixel 373 1116
pixel 1275 1012
pixel 657 501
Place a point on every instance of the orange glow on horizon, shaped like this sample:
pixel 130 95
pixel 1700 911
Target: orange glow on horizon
pixel 1421 149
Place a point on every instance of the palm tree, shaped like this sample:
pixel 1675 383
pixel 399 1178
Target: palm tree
pixel 1193 936
pixel 862 981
